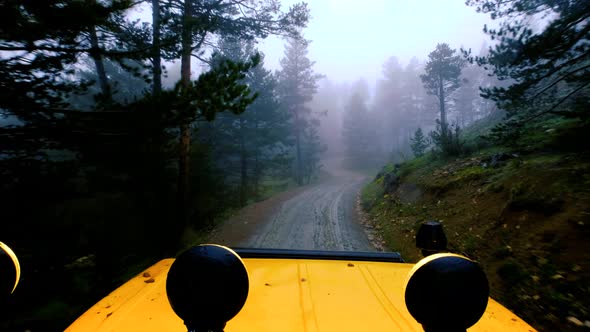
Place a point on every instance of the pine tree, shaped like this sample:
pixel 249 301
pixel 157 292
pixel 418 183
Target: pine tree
pixel 254 141
pixel 44 43
pixel 469 104
pixel 270 135
pixel 126 88
pixel 356 129
pixel 199 22
pixel 546 71
pixel 400 104
pixel 447 142
pixel 414 95
pixel 297 84
pixel 388 102
pixel 311 150
pixel 156 48
pixel 41 42
pixel 419 143
pixel 442 77
pixel 467 95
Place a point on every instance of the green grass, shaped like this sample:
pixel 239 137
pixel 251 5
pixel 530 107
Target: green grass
pixel 554 134
pixel 371 194
pixel 472 173
pixel 416 163
pixel 472 136
pixel 418 167
pixel 525 197
pixel 389 167
pixel 525 220
pixel 543 160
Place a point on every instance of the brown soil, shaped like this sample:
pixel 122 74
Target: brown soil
pixel 237 229
pixel 527 222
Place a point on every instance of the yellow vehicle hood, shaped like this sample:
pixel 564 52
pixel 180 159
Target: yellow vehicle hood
pixel 286 295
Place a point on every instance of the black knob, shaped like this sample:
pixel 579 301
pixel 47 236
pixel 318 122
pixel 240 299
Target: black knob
pixel 431 238
pixel 207 286
pixel 9 271
pixel 447 292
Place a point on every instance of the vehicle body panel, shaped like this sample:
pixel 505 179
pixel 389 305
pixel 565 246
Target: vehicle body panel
pixel 286 295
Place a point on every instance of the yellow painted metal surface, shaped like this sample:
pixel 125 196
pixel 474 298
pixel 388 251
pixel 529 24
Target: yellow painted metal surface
pixel 286 295
pixel 14 259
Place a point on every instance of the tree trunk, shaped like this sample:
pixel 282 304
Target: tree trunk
pixel 156 51
pixel 299 168
pixel 441 100
pixel 243 176
pixel 98 62
pixel 183 172
pixel 185 134
pixel 243 167
pixel 256 179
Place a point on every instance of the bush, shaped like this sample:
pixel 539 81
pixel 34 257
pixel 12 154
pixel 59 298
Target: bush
pixel 419 144
pixel 370 194
pixel 446 139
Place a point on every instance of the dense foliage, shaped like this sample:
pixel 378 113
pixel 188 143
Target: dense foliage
pixel 419 143
pixel 546 69
pixel 297 84
pixel 357 129
pixel 441 77
pixel 256 144
pixel 99 160
pixel 415 96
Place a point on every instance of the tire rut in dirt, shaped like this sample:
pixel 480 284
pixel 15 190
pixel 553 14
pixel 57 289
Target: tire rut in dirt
pixel 320 218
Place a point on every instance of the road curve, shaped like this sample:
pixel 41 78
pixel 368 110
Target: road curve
pixel 322 217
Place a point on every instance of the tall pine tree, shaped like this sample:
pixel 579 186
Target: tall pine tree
pixel 441 79
pixel 356 129
pixel 251 143
pixel 297 84
pixel 201 22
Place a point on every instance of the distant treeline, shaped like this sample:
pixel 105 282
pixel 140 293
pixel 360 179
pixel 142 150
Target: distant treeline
pixel 529 75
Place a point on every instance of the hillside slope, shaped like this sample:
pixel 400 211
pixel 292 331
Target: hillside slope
pixel 524 214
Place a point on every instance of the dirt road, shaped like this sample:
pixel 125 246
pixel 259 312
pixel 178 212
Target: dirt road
pixel 319 217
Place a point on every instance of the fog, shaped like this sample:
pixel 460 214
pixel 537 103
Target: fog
pixel 352 41
pixel 381 47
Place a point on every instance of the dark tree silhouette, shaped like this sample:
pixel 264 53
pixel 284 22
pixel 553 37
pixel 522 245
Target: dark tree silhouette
pixel 297 85
pixel 442 77
pixel 536 63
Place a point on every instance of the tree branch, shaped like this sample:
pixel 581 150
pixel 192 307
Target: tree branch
pixel 559 80
pixel 558 103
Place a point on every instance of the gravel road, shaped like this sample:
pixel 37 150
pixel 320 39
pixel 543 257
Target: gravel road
pixel 318 217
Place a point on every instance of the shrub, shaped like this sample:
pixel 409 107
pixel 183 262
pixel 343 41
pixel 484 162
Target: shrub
pixel 419 143
pixel 446 139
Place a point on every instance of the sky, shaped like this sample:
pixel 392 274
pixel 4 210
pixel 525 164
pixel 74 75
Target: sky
pixel 351 39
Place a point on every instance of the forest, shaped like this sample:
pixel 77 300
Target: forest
pixel 130 129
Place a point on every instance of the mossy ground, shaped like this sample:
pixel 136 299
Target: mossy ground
pixel 527 221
